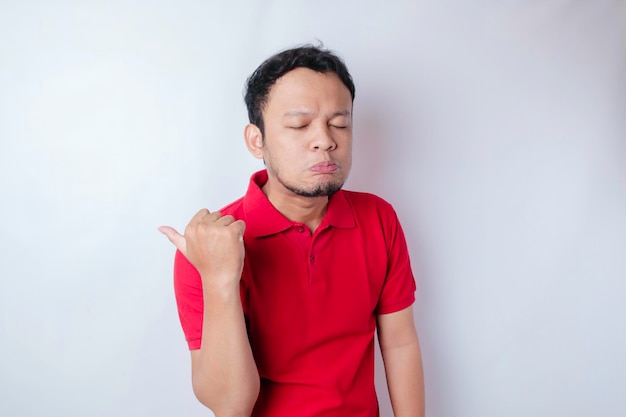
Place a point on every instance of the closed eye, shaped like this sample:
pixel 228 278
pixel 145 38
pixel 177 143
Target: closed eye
pixel 298 127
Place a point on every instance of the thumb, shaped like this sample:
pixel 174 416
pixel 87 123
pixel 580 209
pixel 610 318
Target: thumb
pixel 176 238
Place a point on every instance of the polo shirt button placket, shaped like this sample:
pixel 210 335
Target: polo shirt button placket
pixel 312 275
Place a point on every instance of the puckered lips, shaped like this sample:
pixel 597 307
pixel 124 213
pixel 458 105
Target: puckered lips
pixel 325 167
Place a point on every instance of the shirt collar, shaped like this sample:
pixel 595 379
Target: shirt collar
pixel 263 219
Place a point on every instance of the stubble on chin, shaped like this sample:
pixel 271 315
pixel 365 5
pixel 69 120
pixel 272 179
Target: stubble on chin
pixel 323 190
pixel 319 190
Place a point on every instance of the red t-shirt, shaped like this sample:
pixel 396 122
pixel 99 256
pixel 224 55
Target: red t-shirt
pixel 311 300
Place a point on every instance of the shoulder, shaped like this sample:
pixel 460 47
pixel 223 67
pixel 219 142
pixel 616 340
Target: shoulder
pixel 235 209
pixel 369 210
pixel 374 216
pixel 360 201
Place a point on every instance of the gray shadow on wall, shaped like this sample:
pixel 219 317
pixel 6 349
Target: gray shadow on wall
pixel 369 156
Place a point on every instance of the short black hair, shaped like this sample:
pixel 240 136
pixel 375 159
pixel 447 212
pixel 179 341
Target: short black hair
pixel 259 84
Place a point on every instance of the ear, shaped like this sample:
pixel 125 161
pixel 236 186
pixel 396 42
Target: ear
pixel 254 140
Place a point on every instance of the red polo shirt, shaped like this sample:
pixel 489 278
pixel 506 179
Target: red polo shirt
pixel 311 300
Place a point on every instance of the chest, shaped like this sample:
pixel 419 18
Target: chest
pixel 300 283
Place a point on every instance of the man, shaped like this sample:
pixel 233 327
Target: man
pixel 279 293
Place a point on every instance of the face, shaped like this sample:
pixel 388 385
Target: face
pixel 307 146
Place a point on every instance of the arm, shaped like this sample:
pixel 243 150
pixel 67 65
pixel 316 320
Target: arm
pixel 224 374
pixel 401 354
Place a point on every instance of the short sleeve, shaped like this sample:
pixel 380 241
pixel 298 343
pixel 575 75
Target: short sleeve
pixel 399 287
pixel 189 300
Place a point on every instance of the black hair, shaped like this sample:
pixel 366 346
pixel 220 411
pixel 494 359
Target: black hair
pixel 259 84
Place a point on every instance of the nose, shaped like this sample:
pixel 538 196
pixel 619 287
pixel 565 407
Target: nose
pixel 323 139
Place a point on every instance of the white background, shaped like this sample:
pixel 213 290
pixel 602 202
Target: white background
pixel 496 128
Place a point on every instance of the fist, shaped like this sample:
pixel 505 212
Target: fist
pixel 213 244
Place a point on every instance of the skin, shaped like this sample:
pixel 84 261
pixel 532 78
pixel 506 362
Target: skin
pixel 224 375
pixel 307 150
pixel 400 349
pixel 307 147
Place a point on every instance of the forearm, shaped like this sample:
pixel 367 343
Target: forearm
pixel 405 379
pixel 225 377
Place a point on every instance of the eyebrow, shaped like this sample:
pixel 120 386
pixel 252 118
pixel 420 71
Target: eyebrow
pixel 300 113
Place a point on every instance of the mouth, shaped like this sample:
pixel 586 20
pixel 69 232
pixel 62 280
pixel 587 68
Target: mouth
pixel 326 167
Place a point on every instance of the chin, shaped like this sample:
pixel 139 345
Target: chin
pixel 324 189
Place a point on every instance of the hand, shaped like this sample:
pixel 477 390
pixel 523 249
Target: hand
pixel 213 244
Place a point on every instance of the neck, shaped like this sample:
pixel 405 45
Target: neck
pixel 307 210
